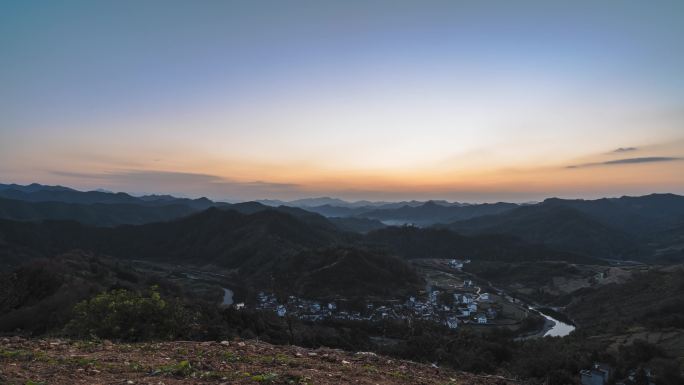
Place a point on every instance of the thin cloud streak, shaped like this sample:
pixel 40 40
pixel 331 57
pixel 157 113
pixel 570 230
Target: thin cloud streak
pixel 625 149
pixel 181 182
pixel 647 159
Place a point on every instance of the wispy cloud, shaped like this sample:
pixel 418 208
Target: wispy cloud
pixel 143 175
pixel 647 159
pixel 169 181
pixel 624 149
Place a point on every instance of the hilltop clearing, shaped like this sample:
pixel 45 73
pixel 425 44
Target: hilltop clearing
pixel 249 362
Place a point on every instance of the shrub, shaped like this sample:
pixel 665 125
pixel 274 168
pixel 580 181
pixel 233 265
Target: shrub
pixel 131 316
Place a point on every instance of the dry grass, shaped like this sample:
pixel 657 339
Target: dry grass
pixel 28 362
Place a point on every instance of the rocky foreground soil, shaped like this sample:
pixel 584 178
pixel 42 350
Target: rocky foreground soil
pixel 53 361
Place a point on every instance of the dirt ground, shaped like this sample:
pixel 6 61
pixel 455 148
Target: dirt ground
pixel 53 361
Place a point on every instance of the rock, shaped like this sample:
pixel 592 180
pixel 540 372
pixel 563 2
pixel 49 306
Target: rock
pixel 227 343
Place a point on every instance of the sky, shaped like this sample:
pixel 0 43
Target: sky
pixel 384 100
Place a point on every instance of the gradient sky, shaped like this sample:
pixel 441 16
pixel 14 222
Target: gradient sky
pixel 459 100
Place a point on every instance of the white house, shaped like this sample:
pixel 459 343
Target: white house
pixel 481 319
pixel 239 306
pixel 465 312
pixel 281 311
pixel 452 322
pixel 484 297
pixel 472 307
pixel 467 298
pixel 332 306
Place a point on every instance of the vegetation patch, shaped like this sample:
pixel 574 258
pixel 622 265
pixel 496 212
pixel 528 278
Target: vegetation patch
pixel 127 315
pixel 266 378
pixel 181 369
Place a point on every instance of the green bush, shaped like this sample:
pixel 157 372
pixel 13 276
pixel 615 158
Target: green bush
pixel 129 316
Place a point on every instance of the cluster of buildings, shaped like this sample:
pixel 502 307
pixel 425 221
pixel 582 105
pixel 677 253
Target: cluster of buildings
pixel 458 263
pixel 304 309
pixel 450 309
pixel 602 374
pixel 463 307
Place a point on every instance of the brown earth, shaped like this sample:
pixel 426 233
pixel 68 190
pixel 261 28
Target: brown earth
pixel 53 361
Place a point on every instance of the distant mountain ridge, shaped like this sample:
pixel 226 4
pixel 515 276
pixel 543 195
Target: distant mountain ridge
pixel 214 236
pixel 300 250
pixel 432 212
pixel 41 202
pixel 249 236
pixel 33 187
pixel 628 227
pixel 648 213
pixel 36 202
pixel 42 193
pixel 645 227
pixel 96 214
pixel 336 202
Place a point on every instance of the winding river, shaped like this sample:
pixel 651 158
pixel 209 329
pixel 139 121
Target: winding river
pixel 559 329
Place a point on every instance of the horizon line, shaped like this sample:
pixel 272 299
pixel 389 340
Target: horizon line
pixel 329 197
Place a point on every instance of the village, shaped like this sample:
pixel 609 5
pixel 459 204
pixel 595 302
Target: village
pixel 460 302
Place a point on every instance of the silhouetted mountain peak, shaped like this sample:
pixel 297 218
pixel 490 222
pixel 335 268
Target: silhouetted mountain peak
pixel 33 187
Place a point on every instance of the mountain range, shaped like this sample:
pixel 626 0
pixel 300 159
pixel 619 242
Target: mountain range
pixel 42 193
pixel 616 228
pixel 294 249
pixel 649 227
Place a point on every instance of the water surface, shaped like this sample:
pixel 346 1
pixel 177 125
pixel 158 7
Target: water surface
pixel 227 297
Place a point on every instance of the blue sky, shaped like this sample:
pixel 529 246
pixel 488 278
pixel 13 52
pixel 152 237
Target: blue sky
pixel 481 100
